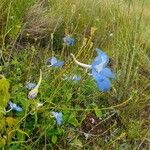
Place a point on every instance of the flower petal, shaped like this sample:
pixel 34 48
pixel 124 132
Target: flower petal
pixel 59 64
pixel 69 41
pixel 58 117
pixel 18 108
pixel 102 57
pixel 100 61
pixel 103 82
pixel 14 106
pixel 99 67
pixel 30 85
pixel 107 73
pixel 96 75
pixel 97 61
pixel 53 61
pixel 104 85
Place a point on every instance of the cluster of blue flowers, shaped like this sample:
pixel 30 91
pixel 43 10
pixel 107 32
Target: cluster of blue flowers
pixel 99 69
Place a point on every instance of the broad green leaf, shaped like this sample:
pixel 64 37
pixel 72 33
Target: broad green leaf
pixel 73 121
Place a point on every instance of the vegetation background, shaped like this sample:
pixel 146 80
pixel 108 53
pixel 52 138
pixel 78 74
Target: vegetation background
pixel 31 31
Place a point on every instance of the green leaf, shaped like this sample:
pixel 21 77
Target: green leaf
pixel 54 139
pixel 73 121
pixel 4 94
pixel 98 113
pixel 77 143
pixel 69 96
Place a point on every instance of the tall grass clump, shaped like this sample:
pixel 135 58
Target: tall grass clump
pixel 48 101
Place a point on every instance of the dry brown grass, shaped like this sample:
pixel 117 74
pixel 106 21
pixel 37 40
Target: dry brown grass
pixel 37 21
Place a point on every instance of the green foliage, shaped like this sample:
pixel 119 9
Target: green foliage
pixel 4 93
pixel 134 131
pixel 117 119
pixel 4 98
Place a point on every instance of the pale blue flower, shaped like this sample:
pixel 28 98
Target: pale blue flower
pixel 68 40
pixel 101 73
pixel 101 58
pixel 15 107
pixel 58 117
pixel 30 85
pixel 55 63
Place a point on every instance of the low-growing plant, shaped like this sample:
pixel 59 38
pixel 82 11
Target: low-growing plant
pixel 58 90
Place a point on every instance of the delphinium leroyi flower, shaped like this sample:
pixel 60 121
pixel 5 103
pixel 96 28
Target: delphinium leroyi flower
pixel 54 62
pixel 30 85
pixel 58 117
pixel 14 106
pixel 100 71
pixel 68 40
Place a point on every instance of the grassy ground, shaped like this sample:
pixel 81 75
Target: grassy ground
pixel 32 31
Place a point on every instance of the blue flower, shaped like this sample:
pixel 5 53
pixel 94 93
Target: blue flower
pixel 30 85
pixel 55 63
pixel 101 73
pixel 68 40
pixel 101 58
pixel 14 106
pixel 58 117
